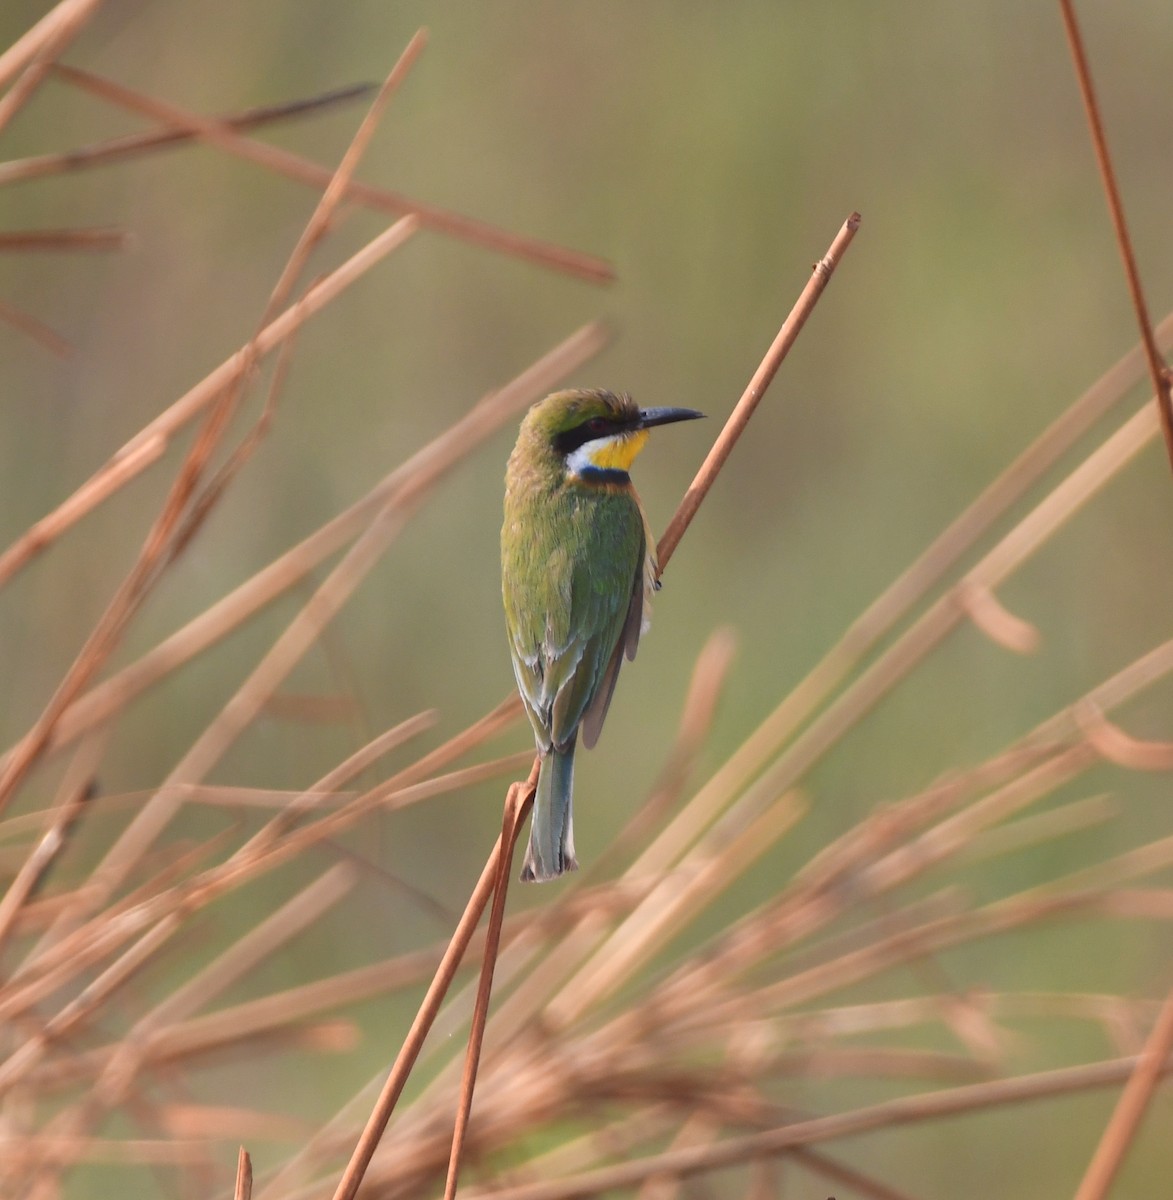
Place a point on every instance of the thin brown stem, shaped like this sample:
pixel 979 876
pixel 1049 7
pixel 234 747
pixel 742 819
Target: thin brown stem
pixel 98 238
pixel 132 145
pixel 47 37
pixel 244 1176
pixel 363 1153
pixel 227 614
pixel 946 1102
pixel 755 390
pixel 510 826
pixel 319 223
pixel 31 55
pixel 148 445
pixel 676 529
pixel 1121 1130
pixel 1158 368
pixel 282 162
pixel 820 1164
pixel 78 788
pixel 36 329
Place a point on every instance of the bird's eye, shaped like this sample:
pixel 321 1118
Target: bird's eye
pixel 597 426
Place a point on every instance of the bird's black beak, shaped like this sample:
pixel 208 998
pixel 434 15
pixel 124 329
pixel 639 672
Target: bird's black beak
pixel 666 416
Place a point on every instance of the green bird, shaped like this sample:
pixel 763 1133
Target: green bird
pixel 577 571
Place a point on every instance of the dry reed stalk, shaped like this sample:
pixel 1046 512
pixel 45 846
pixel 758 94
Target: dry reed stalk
pixel 216 622
pixel 820 1164
pixel 882 615
pixel 1028 908
pixel 692 1061
pixel 510 828
pixel 133 963
pixel 861 844
pixel 1059 899
pixel 105 635
pixel 93 239
pixel 1115 746
pixel 1023 832
pixel 519 802
pixel 732 430
pixel 35 329
pixel 1159 372
pixel 282 162
pixel 1079 889
pixel 756 388
pixel 159 909
pixel 936 846
pixel 77 787
pixel 584 934
pixel 1121 1130
pixel 52 31
pixel 608 1139
pixel 151 942
pixel 947 613
pixel 680 895
pixel 110 1087
pixel 1120 1018
pixel 366 756
pixel 127 599
pixel 335 191
pixel 132 145
pixel 38 47
pixel 252 1018
pixel 698 1129
pixel 268 935
pixel 385 798
pixel 773 822
pixel 1140 674
pixel 231 1025
pixel 334 592
pixel 733 1151
pixel 144 573
pixel 202 503
pixel 22 91
pixel 67 1127
pixel 280 1015
pixel 35 1152
pixel 152 921
pixel 705 689
pixel 249 698
pixel 244 1177
pixel 149 444
pixel 1135 1098
pixel 944 616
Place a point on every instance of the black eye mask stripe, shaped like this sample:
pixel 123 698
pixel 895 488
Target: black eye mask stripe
pixel 569 440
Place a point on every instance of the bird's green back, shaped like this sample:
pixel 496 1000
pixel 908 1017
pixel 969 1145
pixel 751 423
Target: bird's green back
pixel 572 557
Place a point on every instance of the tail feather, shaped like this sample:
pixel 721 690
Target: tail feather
pixel 551 835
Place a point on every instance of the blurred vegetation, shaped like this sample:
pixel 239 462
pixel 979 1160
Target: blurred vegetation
pixel 709 152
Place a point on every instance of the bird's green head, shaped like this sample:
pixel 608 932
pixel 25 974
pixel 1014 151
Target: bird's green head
pixel 596 434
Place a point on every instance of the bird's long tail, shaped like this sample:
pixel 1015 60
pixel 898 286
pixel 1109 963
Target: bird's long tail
pixel 551 835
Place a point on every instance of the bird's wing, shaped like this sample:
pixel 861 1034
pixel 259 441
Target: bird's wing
pixel 596 709
pixel 607 589
pixel 528 670
pixel 573 614
pixel 535 592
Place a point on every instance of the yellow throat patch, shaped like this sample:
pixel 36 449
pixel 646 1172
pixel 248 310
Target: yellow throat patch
pixel 618 453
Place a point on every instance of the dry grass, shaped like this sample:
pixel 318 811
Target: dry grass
pixel 629 1043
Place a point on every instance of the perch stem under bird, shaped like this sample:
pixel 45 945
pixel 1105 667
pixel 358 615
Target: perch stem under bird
pixel 578 569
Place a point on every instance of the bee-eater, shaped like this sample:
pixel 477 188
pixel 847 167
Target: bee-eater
pixel 577 571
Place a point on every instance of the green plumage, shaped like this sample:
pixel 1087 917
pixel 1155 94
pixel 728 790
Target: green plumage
pixel 572 555
pixel 575 552
pixel 576 569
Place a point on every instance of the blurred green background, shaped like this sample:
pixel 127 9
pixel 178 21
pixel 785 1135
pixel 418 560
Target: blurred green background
pixel 710 152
